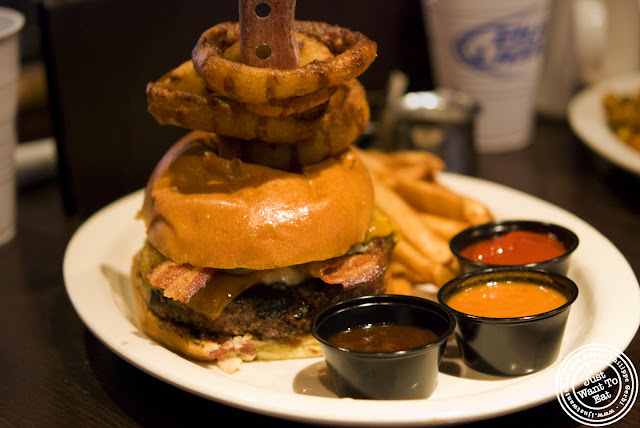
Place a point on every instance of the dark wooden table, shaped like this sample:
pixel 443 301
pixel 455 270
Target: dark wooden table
pixel 54 372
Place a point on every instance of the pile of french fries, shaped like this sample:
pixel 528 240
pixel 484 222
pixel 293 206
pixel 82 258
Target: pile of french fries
pixel 427 214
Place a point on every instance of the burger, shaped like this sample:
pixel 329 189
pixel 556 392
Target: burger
pixel 239 257
pixel 263 214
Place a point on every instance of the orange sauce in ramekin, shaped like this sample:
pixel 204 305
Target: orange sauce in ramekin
pixel 506 299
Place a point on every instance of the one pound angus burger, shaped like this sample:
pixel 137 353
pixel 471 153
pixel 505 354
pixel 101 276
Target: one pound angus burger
pixel 240 257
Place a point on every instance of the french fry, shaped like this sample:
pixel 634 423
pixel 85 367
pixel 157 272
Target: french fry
pixel 398 269
pixel 412 165
pixel 378 166
pixel 431 197
pixel 442 274
pixel 409 263
pixel 427 213
pixel 475 212
pixel 454 265
pixel 411 227
pixel 416 265
pixel 418 165
pixel 399 285
pixel 444 226
pixel 435 198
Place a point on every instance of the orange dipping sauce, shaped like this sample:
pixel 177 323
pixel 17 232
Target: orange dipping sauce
pixel 506 299
pixel 515 248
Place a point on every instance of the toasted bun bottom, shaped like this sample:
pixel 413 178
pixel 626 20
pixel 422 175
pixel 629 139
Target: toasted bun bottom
pixel 229 354
pixel 209 211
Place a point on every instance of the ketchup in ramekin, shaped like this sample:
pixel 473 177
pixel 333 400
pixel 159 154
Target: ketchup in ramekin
pixel 515 248
pixel 516 243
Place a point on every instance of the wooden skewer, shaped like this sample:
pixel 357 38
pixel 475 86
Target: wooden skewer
pixel 267 33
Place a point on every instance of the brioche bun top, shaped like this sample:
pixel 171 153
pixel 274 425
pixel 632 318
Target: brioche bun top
pixel 209 211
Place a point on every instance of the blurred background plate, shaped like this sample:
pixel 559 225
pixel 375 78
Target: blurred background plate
pixel 587 119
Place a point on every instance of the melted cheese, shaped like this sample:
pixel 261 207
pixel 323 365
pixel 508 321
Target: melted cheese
pixel 380 227
pixel 212 300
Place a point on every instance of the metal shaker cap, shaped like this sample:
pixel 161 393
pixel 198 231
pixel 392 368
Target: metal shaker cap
pixel 443 105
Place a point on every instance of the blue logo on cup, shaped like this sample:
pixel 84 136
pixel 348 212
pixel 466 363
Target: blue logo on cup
pixel 497 46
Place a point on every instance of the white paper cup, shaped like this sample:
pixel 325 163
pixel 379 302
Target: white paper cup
pixel 491 49
pixel 7 183
pixel 11 22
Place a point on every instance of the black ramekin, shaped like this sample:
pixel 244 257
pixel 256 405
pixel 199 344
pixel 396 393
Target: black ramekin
pixel 510 346
pixel 485 231
pixel 407 374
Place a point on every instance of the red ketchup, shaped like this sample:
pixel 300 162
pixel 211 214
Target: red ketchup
pixel 515 248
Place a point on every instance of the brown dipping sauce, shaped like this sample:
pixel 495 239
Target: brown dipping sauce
pixel 383 338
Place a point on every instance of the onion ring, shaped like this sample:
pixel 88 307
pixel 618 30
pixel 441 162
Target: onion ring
pixel 279 108
pixel 346 118
pixel 310 50
pixel 353 52
pixel 181 98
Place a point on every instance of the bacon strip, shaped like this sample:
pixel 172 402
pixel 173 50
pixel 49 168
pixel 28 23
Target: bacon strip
pixel 350 270
pixel 179 282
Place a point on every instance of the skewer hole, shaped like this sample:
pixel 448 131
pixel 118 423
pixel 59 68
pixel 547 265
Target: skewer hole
pixel 263 10
pixel 263 51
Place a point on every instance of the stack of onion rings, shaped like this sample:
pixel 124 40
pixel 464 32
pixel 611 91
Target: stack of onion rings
pixel 346 118
pixel 282 118
pixel 181 98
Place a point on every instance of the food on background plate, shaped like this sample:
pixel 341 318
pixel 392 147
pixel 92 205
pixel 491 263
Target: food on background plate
pixel 623 116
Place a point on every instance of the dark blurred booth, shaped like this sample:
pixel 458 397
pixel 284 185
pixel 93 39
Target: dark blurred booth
pixel 100 54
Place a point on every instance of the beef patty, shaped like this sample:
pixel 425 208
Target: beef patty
pixel 271 311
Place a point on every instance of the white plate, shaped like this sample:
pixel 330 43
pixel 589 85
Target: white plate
pixel 96 271
pixel 587 119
